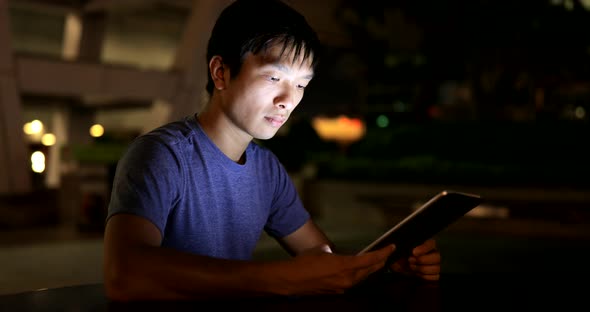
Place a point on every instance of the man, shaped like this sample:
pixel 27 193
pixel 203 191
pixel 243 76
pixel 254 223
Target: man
pixel 191 198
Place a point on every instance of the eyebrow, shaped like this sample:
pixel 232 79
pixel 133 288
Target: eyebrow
pixel 286 69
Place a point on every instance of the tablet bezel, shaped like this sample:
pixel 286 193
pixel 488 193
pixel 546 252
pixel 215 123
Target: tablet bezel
pixel 456 205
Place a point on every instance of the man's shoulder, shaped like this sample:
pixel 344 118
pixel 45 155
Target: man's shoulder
pixel 170 133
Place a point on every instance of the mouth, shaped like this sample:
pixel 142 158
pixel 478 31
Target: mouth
pixel 276 121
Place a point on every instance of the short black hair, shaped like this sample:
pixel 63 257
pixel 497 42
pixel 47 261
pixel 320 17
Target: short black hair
pixel 254 26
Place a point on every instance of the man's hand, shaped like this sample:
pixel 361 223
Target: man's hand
pixel 424 262
pixel 318 271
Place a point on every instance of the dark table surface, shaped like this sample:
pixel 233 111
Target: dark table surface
pixel 454 292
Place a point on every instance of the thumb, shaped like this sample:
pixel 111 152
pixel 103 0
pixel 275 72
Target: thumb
pixel 386 251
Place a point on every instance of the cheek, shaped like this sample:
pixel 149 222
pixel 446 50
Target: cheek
pixel 249 103
pixel 298 98
pixel 261 97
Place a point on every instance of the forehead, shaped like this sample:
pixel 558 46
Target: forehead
pixel 285 56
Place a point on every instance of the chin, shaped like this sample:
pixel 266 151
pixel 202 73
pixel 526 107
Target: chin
pixel 264 133
pixel 264 136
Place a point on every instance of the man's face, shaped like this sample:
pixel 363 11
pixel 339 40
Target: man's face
pixel 267 89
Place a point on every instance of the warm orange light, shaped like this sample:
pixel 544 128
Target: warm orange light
pixel 342 128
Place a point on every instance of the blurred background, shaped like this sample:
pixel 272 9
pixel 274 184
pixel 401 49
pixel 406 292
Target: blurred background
pixel 410 98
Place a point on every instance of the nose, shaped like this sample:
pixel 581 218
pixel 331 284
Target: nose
pixel 285 100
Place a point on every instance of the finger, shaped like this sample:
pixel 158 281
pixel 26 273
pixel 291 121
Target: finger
pixel 429 277
pixel 380 259
pixel 365 272
pixel 400 265
pixel 425 247
pixel 374 257
pixel 403 268
pixel 425 269
pixel 431 258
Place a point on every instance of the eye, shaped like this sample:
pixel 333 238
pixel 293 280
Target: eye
pixel 301 87
pixel 274 79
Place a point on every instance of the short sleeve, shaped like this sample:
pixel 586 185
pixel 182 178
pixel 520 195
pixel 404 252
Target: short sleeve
pixel 147 181
pixel 287 212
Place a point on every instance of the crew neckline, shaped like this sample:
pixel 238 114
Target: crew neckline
pixel 215 150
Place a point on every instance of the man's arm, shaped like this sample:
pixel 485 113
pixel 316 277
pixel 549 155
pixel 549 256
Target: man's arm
pixel 308 237
pixel 137 268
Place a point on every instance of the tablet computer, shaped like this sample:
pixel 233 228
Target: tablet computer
pixel 428 220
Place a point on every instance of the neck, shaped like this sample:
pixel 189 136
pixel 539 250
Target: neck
pixel 223 132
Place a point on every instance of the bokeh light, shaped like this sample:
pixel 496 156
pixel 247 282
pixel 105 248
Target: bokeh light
pixel 48 139
pixel 38 162
pixel 33 127
pixel 96 130
pixel 382 121
pixel 580 112
pixel 342 128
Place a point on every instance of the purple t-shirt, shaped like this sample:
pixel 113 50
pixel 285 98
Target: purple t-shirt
pixel 202 201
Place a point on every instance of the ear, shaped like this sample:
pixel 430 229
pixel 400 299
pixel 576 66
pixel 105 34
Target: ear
pixel 217 70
